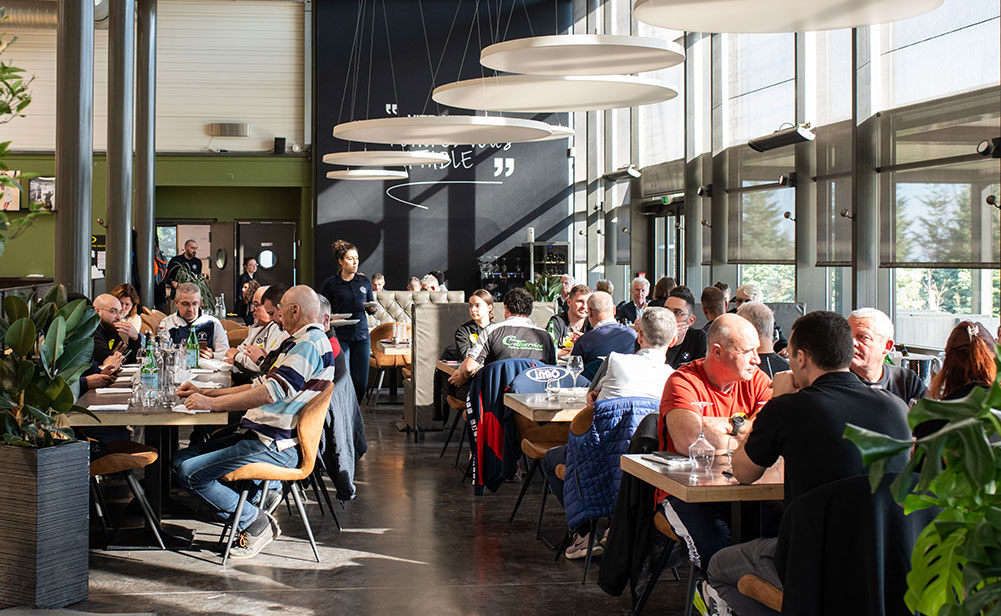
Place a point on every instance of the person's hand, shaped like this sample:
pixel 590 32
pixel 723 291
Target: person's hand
pixel 187 388
pixel 783 383
pixel 126 330
pixel 173 283
pixel 592 397
pixel 230 354
pixel 784 353
pixel 113 362
pixel 99 380
pixel 457 379
pixel 205 353
pixel 199 402
pixel 254 352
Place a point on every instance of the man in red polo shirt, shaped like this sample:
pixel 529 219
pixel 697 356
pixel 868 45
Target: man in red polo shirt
pixel 729 380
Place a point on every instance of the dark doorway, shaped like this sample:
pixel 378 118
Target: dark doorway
pixel 274 245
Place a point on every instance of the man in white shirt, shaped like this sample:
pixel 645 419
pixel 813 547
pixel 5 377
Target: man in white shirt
pixel 263 337
pixel 208 330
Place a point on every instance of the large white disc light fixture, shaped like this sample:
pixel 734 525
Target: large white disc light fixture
pixel 582 54
pixel 385 158
pixel 775 15
pixel 541 94
pixel 367 174
pixel 443 130
pixel 559 132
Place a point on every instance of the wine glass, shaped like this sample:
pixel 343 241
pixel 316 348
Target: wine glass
pixel 701 451
pixel 575 365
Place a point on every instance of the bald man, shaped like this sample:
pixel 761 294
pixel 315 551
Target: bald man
pixel 303 369
pixel 729 380
pixel 113 334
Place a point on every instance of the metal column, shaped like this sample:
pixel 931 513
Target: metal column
pixel 121 55
pixel 811 280
pixel 74 143
pixel 145 144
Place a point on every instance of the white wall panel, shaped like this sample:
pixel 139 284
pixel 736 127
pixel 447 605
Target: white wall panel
pixel 218 61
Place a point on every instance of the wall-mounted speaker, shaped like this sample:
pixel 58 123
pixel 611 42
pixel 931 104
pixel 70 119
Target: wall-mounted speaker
pixel 279 145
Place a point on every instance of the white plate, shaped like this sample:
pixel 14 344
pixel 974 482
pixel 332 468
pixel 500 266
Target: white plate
pixel 344 322
pixel 338 316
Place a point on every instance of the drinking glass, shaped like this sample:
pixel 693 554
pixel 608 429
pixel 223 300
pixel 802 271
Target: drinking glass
pixel 702 452
pixel 553 390
pixel 575 365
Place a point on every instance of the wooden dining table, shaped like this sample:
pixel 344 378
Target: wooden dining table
pixel 391 348
pixel 160 427
pixel 539 408
pixel 712 486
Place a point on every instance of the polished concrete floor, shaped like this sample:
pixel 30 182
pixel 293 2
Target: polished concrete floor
pixel 415 541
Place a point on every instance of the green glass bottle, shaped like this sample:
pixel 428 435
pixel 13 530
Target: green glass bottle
pixel 192 348
pixel 149 373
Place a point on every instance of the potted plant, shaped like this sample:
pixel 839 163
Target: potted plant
pixel 545 288
pixel 45 494
pixel 956 562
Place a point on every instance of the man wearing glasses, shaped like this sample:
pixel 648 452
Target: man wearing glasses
pixel 114 335
pixel 691 343
pixel 210 333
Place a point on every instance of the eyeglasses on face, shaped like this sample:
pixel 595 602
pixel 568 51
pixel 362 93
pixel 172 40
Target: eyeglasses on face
pixel 679 314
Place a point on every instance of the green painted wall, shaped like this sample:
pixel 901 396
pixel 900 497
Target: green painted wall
pixel 224 188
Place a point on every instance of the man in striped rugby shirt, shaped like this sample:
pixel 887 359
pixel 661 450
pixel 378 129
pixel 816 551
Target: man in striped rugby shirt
pixel 303 369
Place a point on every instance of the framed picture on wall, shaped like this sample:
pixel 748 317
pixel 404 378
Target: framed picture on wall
pixel 10 196
pixel 43 190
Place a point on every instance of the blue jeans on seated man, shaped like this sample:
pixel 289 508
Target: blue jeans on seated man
pixel 199 467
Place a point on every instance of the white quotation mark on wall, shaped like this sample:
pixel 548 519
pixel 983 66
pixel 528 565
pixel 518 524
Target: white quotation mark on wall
pixel 503 165
pixel 391 109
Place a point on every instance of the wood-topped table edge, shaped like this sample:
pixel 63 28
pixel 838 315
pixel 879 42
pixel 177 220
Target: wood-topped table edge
pixel 392 349
pixel 768 487
pixel 447 368
pixel 559 411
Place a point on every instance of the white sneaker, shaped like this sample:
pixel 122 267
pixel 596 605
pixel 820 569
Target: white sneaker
pixel 578 549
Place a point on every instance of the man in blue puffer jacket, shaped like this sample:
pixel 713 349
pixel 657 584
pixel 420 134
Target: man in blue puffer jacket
pixel 625 377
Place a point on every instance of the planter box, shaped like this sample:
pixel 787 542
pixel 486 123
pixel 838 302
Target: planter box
pixel 44 521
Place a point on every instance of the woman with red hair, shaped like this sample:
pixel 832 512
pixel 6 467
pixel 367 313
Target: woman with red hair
pixel 968 363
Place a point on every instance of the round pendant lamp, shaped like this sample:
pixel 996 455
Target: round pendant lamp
pixel 582 54
pixel 386 158
pixel 443 130
pixel 367 174
pixel 559 132
pixel 541 94
pixel 775 15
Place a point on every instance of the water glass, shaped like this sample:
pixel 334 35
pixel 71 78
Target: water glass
pixel 553 390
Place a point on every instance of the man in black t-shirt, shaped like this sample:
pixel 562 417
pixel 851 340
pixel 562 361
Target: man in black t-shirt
pixel 515 336
pixel 691 343
pixel 763 320
pixel 804 423
pixel 187 258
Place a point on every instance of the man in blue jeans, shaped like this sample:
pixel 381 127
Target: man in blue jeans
pixel 303 369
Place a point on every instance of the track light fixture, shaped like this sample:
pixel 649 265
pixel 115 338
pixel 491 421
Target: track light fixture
pixel 628 172
pixel 705 191
pixel 783 137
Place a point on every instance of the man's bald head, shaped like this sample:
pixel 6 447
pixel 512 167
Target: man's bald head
pixel 108 308
pixel 600 307
pixel 300 307
pixel 732 353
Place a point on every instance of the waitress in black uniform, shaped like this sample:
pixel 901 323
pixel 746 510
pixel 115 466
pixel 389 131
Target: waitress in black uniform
pixel 348 291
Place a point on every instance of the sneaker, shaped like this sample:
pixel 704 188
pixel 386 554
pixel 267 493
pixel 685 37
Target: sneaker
pixel 604 538
pixel 247 546
pixel 578 549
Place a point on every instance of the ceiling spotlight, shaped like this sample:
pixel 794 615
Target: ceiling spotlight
pixel 990 147
pixel 788 179
pixel 784 137
pixel 705 191
pixel 628 172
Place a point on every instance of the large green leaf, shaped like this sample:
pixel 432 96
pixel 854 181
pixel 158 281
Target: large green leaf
pixel 73 312
pixel 72 374
pixel 86 327
pixel 74 354
pixel 81 411
pixel 42 316
pixel 936 576
pixel 52 347
pixel 874 446
pixel 38 415
pixel 56 295
pixel 59 392
pixel 21 336
pixel 15 308
pixel 952 410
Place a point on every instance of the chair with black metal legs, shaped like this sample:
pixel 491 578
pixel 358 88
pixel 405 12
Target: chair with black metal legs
pixel 459 408
pixel 309 427
pixel 123 457
pixel 536 452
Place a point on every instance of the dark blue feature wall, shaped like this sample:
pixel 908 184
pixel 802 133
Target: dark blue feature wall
pixel 429 43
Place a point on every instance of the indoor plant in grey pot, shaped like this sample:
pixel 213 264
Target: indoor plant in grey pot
pixel 44 494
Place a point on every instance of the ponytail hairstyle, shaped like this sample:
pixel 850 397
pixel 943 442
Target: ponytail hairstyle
pixel 969 358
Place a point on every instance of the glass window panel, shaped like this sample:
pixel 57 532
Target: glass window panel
pixel 949 50
pixel 777 282
pixel 930 301
pixel 939 217
pixel 662 126
pixel 167 237
pixel 758 231
pixel 754 85
pixel 829 77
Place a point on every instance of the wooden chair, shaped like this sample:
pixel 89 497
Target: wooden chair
pixel 124 457
pixel 159 315
pixel 146 327
pixel 761 591
pixel 236 336
pixel 309 428
pixel 381 362
pixel 534 451
pixel 229 324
